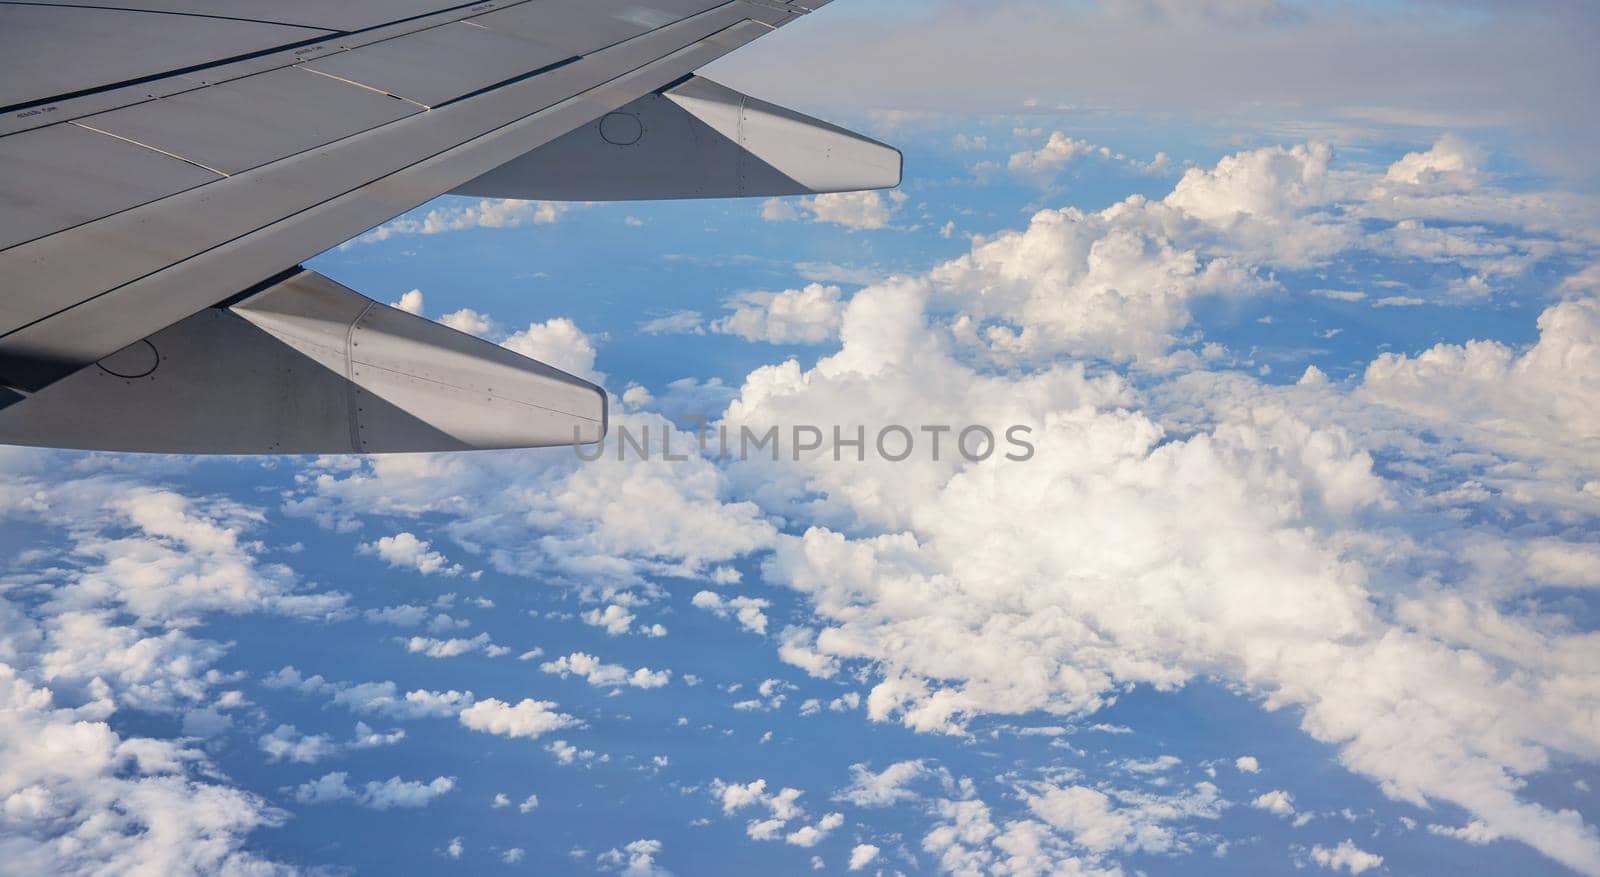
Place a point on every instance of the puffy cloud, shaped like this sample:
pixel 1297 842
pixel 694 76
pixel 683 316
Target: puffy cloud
pixel 748 610
pixel 611 521
pixel 782 807
pixel 797 648
pixel 469 321
pixel 811 835
pixel 286 742
pixel 1475 832
pixel 603 675
pixel 1060 151
pixel 367 738
pixel 1452 164
pixel 1276 802
pixel 1347 857
pixel 863 855
pixel 675 323
pixel 530 718
pixel 78 797
pixel 1543 401
pixel 560 343
pixel 857 210
pixel 1119 282
pixel 853 210
pixel 412 303
pixel 406 551
pixel 486 213
pixel 637 859
pixel 1272 205
pixel 735 796
pixel 386 794
pixel 1247 764
pixel 103 619
pixel 884 789
pixel 1102 822
pixel 395 792
pixel 796 316
pixel 399 616
pixel 614 619
pixel 454 648
pixel 167 559
pixel 566 753
pixel 383 698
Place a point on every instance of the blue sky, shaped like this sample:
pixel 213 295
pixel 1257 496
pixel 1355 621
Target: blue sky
pixel 1300 579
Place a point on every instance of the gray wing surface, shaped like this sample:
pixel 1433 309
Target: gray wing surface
pixel 164 157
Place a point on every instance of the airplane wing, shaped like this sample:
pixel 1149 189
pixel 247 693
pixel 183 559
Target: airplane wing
pixel 166 165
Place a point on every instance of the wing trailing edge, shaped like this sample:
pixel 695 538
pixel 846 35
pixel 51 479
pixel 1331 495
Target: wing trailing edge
pixel 697 139
pixel 306 366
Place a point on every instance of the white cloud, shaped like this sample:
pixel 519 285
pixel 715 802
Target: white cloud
pixel 1247 764
pixel 286 742
pixel 486 213
pixel 608 522
pixel 1543 401
pixel 796 316
pixel 1346 856
pixel 1451 165
pixel 1058 152
pixel 974 143
pixel 469 321
pixel 852 210
pixel 560 343
pixel 378 794
pixel 395 792
pixel 862 855
pixel 454 648
pixel 885 789
pixel 103 622
pixel 797 648
pixel 614 619
pixel 748 610
pixel 637 859
pixel 675 323
pixel 399 616
pixel 566 753
pixel 782 807
pixel 1475 832
pixel 531 719
pixel 1061 151
pixel 736 797
pixel 79 797
pixel 1106 821
pixel 406 551
pixel 1276 802
pixel 811 835
pixel 412 303
pixel 602 675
